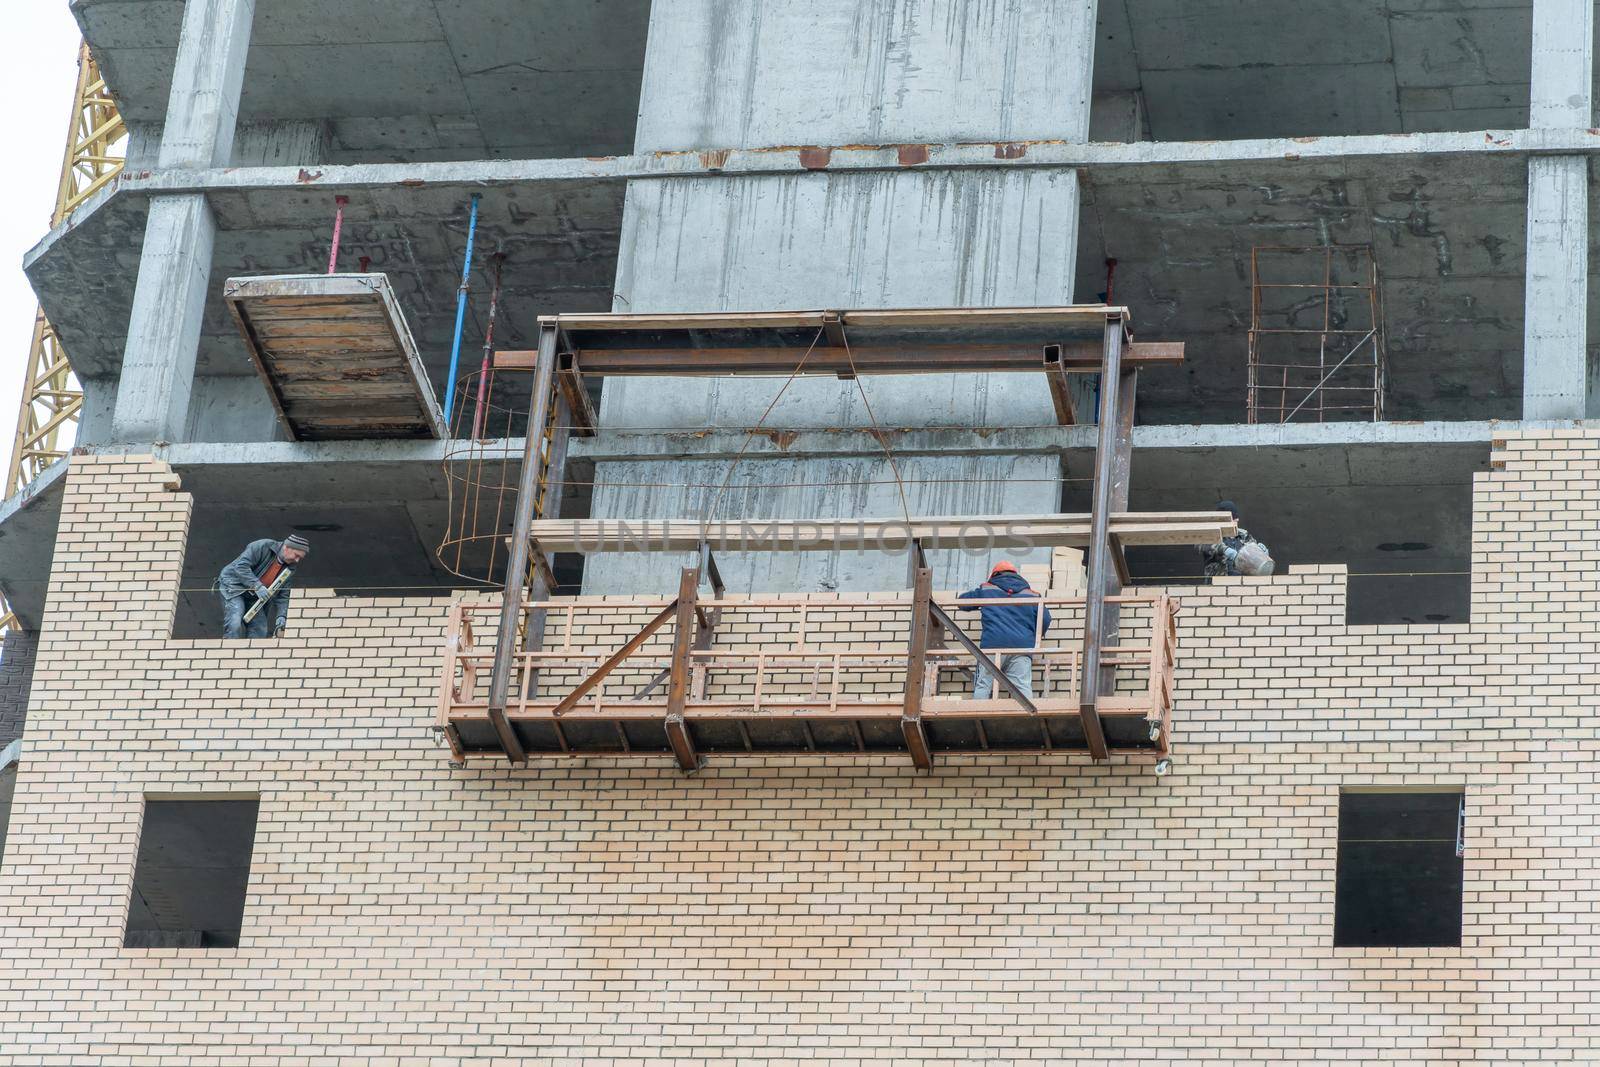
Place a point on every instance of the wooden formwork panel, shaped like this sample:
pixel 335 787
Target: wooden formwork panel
pixel 336 356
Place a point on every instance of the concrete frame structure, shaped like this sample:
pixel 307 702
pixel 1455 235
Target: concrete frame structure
pixel 923 153
pixel 643 155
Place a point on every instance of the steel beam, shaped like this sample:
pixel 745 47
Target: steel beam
pixel 1100 566
pixel 678 684
pixel 505 647
pixel 917 670
pixel 1074 358
pixel 981 656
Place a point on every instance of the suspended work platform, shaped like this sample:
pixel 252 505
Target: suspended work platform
pixel 884 672
pixel 336 356
pixel 796 674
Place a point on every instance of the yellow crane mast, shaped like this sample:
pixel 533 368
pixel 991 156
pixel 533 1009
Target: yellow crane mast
pixel 51 399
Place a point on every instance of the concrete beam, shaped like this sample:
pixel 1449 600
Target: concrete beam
pixel 828 444
pixel 275 485
pixel 1384 150
pixel 164 330
pixel 1555 329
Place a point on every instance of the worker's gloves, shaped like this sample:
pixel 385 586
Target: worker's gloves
pixel 280 628
pixel 261 591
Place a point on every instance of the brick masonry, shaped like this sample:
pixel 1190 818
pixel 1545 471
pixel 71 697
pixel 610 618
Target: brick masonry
pixel 772 910
pixel 16 679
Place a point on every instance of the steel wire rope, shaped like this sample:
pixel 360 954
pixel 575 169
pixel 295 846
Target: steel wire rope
pixel 877 431
pixel 750 434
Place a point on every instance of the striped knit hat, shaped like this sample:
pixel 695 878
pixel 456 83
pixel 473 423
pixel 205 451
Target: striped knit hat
pixel 297 542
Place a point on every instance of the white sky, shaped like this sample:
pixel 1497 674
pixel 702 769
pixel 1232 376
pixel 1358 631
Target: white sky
pixel 38 72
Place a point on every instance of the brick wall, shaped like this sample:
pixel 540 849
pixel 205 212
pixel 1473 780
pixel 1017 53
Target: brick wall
pixel 16 679
pixel 1005 909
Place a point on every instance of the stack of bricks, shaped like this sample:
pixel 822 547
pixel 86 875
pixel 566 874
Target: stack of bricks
pixel 1006 908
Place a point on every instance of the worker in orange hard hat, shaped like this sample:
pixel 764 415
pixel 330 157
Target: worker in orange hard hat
pixel 1011 629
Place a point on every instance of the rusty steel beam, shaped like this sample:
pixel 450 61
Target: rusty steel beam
pixel 917 670
pixel 981 656
pixel 505 646
pixel 1073 357
pixel 1102 573
pixel 678 686
pixel 579 408
pixel 629 647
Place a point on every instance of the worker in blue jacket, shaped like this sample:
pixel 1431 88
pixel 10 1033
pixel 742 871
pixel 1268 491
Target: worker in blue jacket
pixel 1010 625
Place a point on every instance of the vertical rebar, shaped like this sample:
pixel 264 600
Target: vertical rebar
pixel 499 260
pixel 338 231
pixel 461 310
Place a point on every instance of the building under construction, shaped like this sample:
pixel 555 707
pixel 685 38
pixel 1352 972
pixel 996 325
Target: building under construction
pixel 649 379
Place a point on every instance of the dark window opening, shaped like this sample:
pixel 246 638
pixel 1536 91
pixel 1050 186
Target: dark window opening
pixel 192 872
pixel 1399 878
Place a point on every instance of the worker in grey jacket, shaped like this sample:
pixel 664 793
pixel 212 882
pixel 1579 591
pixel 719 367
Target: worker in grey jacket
pixel 245 581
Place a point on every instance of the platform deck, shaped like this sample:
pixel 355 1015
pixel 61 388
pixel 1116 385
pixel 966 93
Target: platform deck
pixel 335 355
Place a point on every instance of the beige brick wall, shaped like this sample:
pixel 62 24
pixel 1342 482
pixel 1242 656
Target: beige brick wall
pixel 1030 908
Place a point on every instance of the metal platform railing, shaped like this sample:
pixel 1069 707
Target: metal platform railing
pixel 774 673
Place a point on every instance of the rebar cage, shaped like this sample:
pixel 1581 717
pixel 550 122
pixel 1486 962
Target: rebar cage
pixel 482 462
pixel 1316 349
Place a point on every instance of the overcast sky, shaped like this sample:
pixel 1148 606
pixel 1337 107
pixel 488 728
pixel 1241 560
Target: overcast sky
pixel 38 72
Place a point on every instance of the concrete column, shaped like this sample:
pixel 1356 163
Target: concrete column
pixel 1555 325
pixel 1555 363
pixel 203 108
pixel 169 303
pixel 759 73
pixel 1562 82
pixel 175 264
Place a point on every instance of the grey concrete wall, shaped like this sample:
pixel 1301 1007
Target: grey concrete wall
pixel 740 73
pixel 8 785
pixel 750 73
pixel 255 144
pixel 99 409
pixel 850 487
pixel 903 239
pixel 16 681
pixel 231 408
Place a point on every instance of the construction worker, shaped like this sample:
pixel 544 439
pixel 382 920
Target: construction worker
pixel 1007 626
pixel 1232 555
pixel 247 581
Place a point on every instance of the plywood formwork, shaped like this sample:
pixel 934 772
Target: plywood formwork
pixel 335 355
